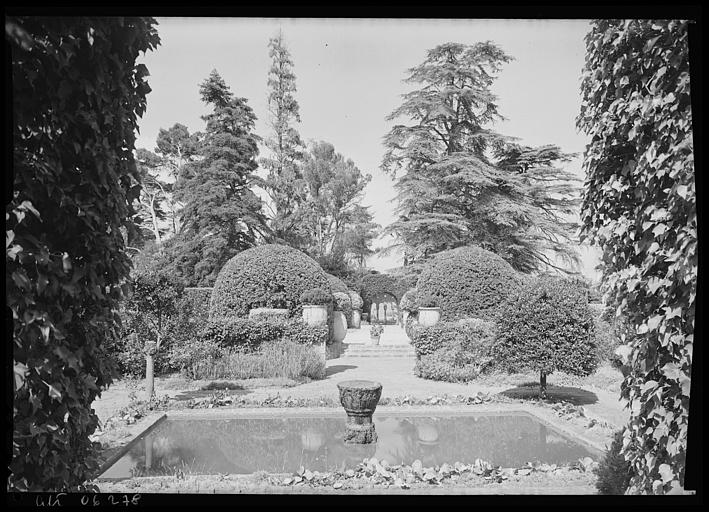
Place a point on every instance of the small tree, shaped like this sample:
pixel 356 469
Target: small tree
pixel 547 326
pixel 155 296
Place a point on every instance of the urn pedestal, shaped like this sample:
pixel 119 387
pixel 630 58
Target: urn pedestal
pixel 359 398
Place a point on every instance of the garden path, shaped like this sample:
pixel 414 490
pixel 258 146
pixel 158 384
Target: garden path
pixel 392 335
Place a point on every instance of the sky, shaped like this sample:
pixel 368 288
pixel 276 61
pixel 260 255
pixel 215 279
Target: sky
pixel 349 77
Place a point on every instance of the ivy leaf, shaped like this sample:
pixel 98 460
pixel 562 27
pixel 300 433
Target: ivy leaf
pixel 666 473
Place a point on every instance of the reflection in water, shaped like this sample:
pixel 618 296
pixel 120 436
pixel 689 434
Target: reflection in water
pixel 247 445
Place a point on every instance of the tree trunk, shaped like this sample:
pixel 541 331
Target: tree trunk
pixel 149 376
pixel 542 385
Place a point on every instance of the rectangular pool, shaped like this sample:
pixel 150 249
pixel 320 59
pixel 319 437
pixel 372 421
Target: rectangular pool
pixel 245 445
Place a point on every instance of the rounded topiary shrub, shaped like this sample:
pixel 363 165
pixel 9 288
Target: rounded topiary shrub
pixel 547 326
pixel 271 276
pixel 409 302
pixel 337 284
pixel 468 282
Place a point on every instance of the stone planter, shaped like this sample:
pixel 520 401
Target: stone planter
pixel 356 318
pixel 359 398
pixel 315 314
pixel 279 312
pixel 374 340
pixel 429 316
pixel 339 327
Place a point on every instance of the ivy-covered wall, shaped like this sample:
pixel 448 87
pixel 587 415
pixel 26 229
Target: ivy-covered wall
pixel 77 94
pixel 639 206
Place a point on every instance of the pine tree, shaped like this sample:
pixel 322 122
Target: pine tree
pixel 284 183
pixel 222 215
pixel 461 183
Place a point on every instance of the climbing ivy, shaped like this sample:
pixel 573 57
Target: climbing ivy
pixel 77 93
pixel 639 206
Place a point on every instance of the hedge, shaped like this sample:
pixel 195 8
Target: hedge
pixel 247 335
pixel 547 326
pixel 266 276
pixel 468 282
pixel 453 351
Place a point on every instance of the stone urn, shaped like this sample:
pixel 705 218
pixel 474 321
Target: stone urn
pixel 359 398
pixel 356 318
pixel 339 327
pixel 429 316
pixel 315 314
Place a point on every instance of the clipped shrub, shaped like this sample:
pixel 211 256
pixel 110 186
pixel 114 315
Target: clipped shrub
pixel 454 351
pixel 545 327
pixel 613 471
pixel 468 282
pixel 300 332
pixel 317 297
pixel 337 284
pixel 343 303
pixel 475 336
pixel 267 314
pixel 266 276
pixel 409 302
pixel 357 301
pixel 427 300
pixel 247 335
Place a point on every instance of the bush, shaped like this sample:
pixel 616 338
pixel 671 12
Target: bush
pixel 336 284
pixel 247 335
pixel 411 325
pixel 409 301
pixel 281 358
pixel 268 314
pixel 343 303
pixel 317 297
pixel 357 301
pixel 474 336
pixel 468 282
pixel 545 327
pixel 265 276
pixel 613 471
pixel 454 351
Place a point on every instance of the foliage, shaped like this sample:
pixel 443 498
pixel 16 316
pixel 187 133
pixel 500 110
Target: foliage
pixel 427 300
pixel 460 183
pixel 176 147
pixel 77 93
pixel 411 324
pixel 335 186
pixel 153 194
pixel 468 282
pixel 453 351
pixel 639 206
pixel 344 304
pixel 336 284
pixel 197 303
pixel 316 297
pixel 247 335
pixel 547 326
pixel 356 300
pixel 265 276
pixel 373 285
pixel 284 182
pixel 358 235
pixel 376 330
pixel 613 471
pixel 409 301
pixel 222 215
pixel 268 314
pixel 282 358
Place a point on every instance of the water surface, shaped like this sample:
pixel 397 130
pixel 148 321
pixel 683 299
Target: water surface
pixel 280 445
